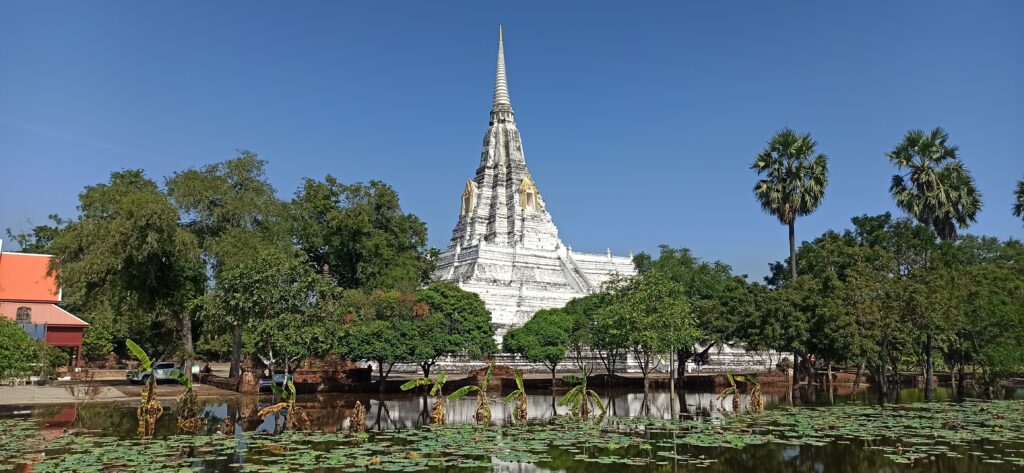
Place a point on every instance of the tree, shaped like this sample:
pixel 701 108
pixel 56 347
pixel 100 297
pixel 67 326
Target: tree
pixel 97 342
pixel 278 301
pixel 234 212
pixel 993 332
pixel 937 191
pixel 360 234
pixel 582 334
pixel 986 331
pixel 542 339
pixel 18 351
pixel 457 323
pixel 936 188
pixel 383 328
pixel 127 258
pixel 1018 206
pixel 38 239
pixel 655 318
pixel 718 299
pixel 794 181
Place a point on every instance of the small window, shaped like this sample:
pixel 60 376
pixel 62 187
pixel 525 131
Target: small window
pixel 24 315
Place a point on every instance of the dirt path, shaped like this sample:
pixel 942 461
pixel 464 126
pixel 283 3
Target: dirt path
pixel 52 394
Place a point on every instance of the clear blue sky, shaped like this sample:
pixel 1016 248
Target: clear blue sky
pixel 639 121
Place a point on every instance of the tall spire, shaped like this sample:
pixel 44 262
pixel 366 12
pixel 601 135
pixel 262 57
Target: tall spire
pixel 502 107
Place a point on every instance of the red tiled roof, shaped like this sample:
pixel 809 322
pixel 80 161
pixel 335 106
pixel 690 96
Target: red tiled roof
pixel 23 277
pixel 48 314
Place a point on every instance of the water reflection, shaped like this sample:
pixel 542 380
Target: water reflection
pixel 331 412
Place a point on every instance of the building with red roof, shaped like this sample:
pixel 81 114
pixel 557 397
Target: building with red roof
pixel 29 296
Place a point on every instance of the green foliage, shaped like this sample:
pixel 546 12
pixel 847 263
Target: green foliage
pixel 231 207
pixel 382 327
pixel 542 339
pixel 518 396
pixel 794 182
pixel 795 176
pixel 40 237
pixel 654 316
pixel 719 301
pixel 97 342
pixel 144 362
pixel 360 234
pixel 1018 203
pixel 436 385
pixel 281 303
pixel 462 392
pixel 582 399
pixel 465 321
pixel 287 393
pixel 50 359
pixel 18 351
pixel 936 188
pixel 127 256
pixel 182 378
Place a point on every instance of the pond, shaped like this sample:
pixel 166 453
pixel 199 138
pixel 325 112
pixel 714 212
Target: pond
pixel 808 431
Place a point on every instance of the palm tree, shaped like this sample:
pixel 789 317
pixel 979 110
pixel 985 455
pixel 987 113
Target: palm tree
pixel 1018 207
pixel 938 192
pixel 936 188
pixel 794 181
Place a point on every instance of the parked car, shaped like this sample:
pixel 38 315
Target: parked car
pixel 279 380
pixel 161 371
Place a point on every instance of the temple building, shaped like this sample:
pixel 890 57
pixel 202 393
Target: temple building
pixel 29 296
pixel 505 246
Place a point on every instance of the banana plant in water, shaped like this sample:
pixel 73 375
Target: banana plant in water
pixel 756 402
pixel 483 402
pixel 436 390
pixel 580 398
pixel 188 404
pixel 287 395
pixel 519 397
pixel 149 408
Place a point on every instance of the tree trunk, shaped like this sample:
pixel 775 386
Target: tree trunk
pixel 961 386
pixel 186 342
pixel 883 381
pixel 792 248
pixel 671 382
pixel 236 353
pixel 426 369
pixel 381 377
pixel 812 372
pixel 828 372
pixel 929 387
pixel 553 367
pixel 796 369
pixel 856 381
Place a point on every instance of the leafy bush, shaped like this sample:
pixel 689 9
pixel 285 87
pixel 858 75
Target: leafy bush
pixel 18 351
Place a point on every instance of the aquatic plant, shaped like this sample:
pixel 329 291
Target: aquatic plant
pixel 357 421
pixel 483 401
pixel 519 396
pixel 287 395
pixel 581 399
pixel 483 404
pixel 756 402
pixel 149 408
pixel 189 418
pixel 436 389
pixel 967 436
